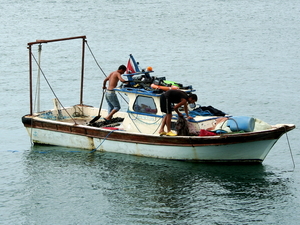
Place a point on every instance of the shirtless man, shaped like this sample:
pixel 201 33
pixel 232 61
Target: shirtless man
pixel 110 96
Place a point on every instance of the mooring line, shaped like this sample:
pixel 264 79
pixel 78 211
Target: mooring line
pixel 290 149
pixel 95 149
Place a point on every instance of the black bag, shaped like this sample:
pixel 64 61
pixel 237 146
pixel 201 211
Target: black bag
pixel 213 110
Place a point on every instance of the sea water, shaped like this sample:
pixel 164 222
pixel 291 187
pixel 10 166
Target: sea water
pixel 241 56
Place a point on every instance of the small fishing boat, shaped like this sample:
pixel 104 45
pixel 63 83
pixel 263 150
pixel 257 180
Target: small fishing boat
pixel 213 135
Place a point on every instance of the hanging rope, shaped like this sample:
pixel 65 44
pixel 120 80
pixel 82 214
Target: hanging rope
pixel 101 68
pixel 287 138
pixel 95 58
pixel 52 89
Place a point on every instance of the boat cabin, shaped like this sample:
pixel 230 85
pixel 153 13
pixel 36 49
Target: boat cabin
pixel 143 114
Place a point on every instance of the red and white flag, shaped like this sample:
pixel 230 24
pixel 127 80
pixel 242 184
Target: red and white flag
pixel 132 66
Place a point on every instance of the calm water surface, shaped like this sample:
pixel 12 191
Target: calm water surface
pixel 241 56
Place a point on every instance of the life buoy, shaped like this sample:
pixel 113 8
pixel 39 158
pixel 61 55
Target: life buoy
pixel 164 88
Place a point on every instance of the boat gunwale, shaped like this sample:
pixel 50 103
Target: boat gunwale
pixel 154 139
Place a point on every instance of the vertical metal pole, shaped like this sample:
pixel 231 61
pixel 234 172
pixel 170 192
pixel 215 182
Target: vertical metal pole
pixel 30 80
pixel 82 71
pixel 38 87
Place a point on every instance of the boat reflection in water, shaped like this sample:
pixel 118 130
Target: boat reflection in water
pixel 132 188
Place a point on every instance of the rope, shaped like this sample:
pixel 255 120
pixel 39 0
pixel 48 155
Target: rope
pixel 134 122
pixel 95 58
pixel 136 118
pixel 95 149
pixel 101 68
pixel 287 138
pixel 52 89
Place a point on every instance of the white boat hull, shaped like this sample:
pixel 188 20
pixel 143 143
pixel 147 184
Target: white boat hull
pixel 238 152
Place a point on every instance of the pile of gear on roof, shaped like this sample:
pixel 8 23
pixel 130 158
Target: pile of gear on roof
pixel 145 81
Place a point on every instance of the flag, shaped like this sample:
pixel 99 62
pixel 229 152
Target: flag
pixel 132 65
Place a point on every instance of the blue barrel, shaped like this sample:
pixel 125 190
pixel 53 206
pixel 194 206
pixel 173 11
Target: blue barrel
pixel 238 123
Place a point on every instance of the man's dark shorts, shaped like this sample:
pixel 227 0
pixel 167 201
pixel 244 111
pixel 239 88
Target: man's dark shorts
pixel 165 105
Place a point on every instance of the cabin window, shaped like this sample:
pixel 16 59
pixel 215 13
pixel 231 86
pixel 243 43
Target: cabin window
pixel 144 104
